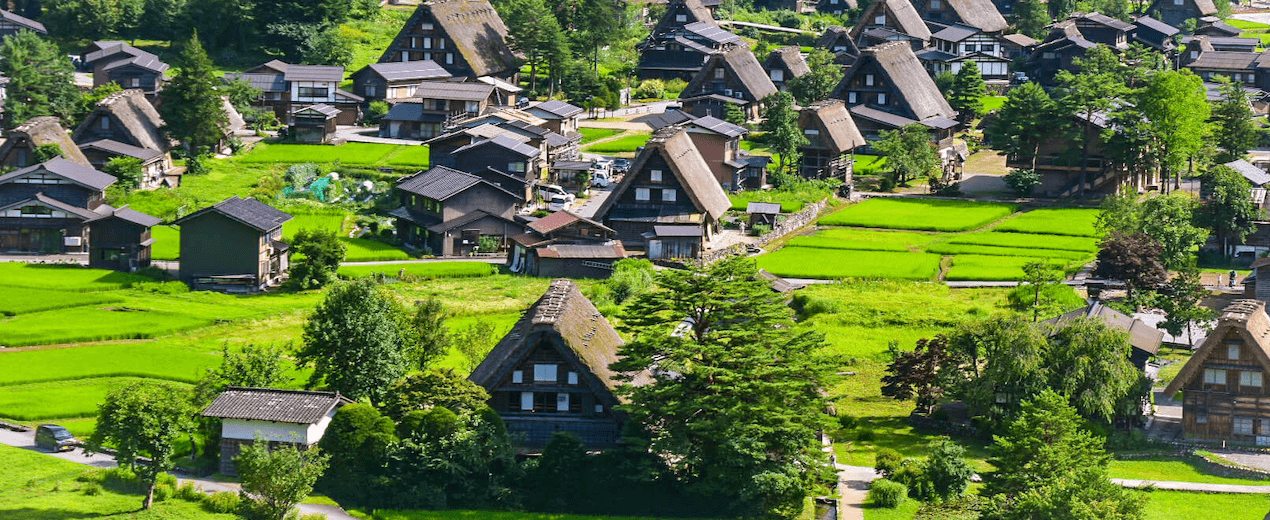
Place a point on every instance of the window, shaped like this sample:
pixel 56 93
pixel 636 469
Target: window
pixel 811 132
pixel 312 92
pixel 850 97
pixel 545 373
pixel 1048 55
pixel 472 106
pixel 1232 351
pixel 427 43
pixel 718 73
pixel 527 401
pixel 655 175
pixel 681 18
pixel 641 194
pixel 36 210
pixel 134 82
pixel 427 26
pixel 370 90
pixel 440 43
pixel 449 58
pixel 667 195
pixel 868 79
pixel 1250 379
pixel 405 56
pixel 880 19
pixel 1242 426
pixel 1239 77
pixel 1201 419
pixel 516 167
pixel 1177 2
pixel 881 99
pixel 1194 55
pixel 562 402
pixel 105 123
pixel 599 408
pixel 1213 376
pixel 427 56
pixel 573 378
pixel 518 376
pixel 778 75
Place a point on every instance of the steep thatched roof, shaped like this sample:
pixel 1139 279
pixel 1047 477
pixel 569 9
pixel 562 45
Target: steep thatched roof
pixel 900 15
pixel 981 14
pixel 43 130
pixel 741 64
pixel 1203 7
pixel 478 33
pixel 791 58
pixel 1245 318
pixel 131 110
pixel 901 68
pixel 837 129
pixel 561 313
pixel 685 161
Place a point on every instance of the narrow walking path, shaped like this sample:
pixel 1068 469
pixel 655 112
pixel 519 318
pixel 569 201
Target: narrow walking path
pixel 1191 486
pixel 853 488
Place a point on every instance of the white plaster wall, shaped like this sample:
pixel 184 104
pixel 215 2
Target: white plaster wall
pixel 271 431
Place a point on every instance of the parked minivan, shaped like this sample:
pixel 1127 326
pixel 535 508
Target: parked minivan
pixel 552 191
pixel 54 438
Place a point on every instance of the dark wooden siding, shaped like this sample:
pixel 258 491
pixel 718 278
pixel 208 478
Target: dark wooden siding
pixel 213 244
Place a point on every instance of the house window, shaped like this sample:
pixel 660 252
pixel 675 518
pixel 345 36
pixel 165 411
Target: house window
pixel 516 167
pixel 1214 376
pixel 778 75
pixel 1242 426
pixel 1250 379
pixel 427 43
pixel 370 90
pixel 573 378
pixel 562 402
pixel 1048 55
pixel 667 195
pixel 1177 2
pixel 36 210
pixel 134 82
pixel 527 401
pixel 427 56
pixel 405 56
pixel 427 26
pixel 545 373
pixel 313 92
pixel 850 97
pixel 935 4
pixel 105 123
pixel 868 80
pixel 1201 419
pixel 718 73
pixel 449 58
pixel 473 106
pixel 641 194
pixel 881 99
pixel 1232 351
pixel 681 18
pixel 518 376
pixel 440 43
pixel 599 408
pixel 1194 55
pixel 655 175
pixel 811 132
pixel 880 19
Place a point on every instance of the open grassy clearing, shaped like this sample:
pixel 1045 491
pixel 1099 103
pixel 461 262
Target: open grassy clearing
pixel 352 154
pixel 868 164
pixel 328 221
pixel 991 103
pixel 991 268
pixel 625 144
pixel 1180 505
pixel 791 202
pixel 422 270
pixel 591 135
pixel 18 300
pixel 167 243
pixel 1173 469
pixel 920 215
pixel 832 264
pixel 35 486
pixel 57 400
pixel 1068 221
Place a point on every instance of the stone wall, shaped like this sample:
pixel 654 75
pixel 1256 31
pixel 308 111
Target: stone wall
pixel 794 222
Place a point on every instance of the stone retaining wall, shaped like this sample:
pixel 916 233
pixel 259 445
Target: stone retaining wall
pixel 794 222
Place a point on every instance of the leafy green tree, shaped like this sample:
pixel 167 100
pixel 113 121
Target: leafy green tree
pixel 735 399
pixel 434 336
pixel 733 114
pixel 595 24
pixel 1234 129
pixel 819 83
pixel 783 132
pixel 127 170
pixel 318 254
pixel 1061 9
pixel 968 92
pixel 1176 108
pixel 88 101
pixel 1026 120
pixel 1134 258
pixel 90 19
pixel 1183 305
pixel 47 152
pixel 1089 363
pixel 1120 213
pixel 1040 275
pixel 1003 363
pixel 240 92
pixel 631 277
pixel 909 152
pixel 41 79
pixel 162 19
pixel 1228 211
pixel 945 81
pixel 1091 90
pixel 947 470
pixel 1031 18
pixel 358 341
pixel 360 443
pixel 143 419
pixel 1086 493
pixel 463 461
pixel 1022 182
pixel 921 374
pixel 276 480
pixel 1170 220
pixel 192 109
pixel 536 33
pixel 434 388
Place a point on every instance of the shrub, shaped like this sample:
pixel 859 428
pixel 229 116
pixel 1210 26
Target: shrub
pixel 196 164
pixel 1023 182
pixel 847 422
pixel 887 493
pixel 223 502
pixel 163 491
pixel 376 112
pixel 92 489
pixel 865 435
pixel 760 229
pixel 675 86
pixel 189 492
pixel 651 89
pixel 914 479
pixel 888 461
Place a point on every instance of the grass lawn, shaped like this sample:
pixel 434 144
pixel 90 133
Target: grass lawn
pixel 791 202
pixel 1074 222
pixel 410 156
pixel 981 267
pixel 991 103
pixel 1180 505
pixel 868 164
pixel 1028 241
pixel 325 221
pixel 167 242
pixel 35 486
pixel 625 144
pixel 64 277
pixel 371 37
pixel 1172 469
pixel 384 514
pixel 922 215
pixel 350 153
pixel 19 300
pixel 590 135
pixel 364 250
pixel 57 400
pixel 906 510
pixel 833 264
pixel 422 270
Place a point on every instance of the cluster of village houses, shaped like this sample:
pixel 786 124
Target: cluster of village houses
pixel 451 81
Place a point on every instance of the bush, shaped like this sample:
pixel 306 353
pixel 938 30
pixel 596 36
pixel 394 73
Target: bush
pixel 92 489
pixel 914 479
pixel 164 491
pixel 189 492
pixel 864 435
pixel 888 461
pixel 760 229
pixel 376 112
pixel 650 89
pixel 223 502
pixel 675 86
pixel 1023 182
pixel 887 493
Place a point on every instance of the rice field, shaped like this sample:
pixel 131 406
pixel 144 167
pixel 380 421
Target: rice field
pixel 590 135
pixel 364 250
pixel 990 268
pixel 865 239
pixel 429 270
pixel 1073 222
pixel 325 221
pixel 834 264
pixel 624 144
pixel 167 243
pixel 1028 241
pixel 18 300
pixel 64 277
pixel 58 399
pixel 361 154
pixel 919 214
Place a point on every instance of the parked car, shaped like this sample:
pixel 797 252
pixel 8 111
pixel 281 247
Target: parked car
pixel 559 204
pixel 602 165
pixel 54 438
pixel 621 165
pixel 551 191
pixel 600 180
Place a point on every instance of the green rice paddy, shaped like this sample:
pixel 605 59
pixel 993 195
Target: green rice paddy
pixel 18 300
pixel 625 144
pixel 428 270
pixel 1074 222
pixel 919 214
pixel 64 277
pixel 833 264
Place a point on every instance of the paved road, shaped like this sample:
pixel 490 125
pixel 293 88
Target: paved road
pixel 1192 486
pixel 853 488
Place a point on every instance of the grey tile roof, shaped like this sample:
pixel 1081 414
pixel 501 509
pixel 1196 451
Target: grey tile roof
pixel 719 126
pixel 118 148
pixel 874 114
pixel 1142 336
pixel 467 218
pixel 409 70
pixel 1257 176
pixel 275 405
pixel 557 108
pixel 677 231
pixel 1156 25
pixel 711 32
pixel 412 112
pixel 314 73
pixel 764 208
pixel 504 142
pixel 24 21
pixel 251 212
pixel 1225 60
pixel 581 251
pixel 955 33
pixel 1020 39
pixel 321 108
pixel 146 61
pixel 263 81
pixel 1108 21
pixel 112 48
pixel 65 169
pixel 438 183
pixel 453 91
pixel 133 216
pixel 664 119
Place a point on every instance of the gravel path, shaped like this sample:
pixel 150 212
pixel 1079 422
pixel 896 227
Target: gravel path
pixel 1192 486
pixel 853 488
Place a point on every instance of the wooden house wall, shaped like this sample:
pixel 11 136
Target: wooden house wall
pixel 1099 33
pixel 714 84
pixel 118 237
pixel 1044 63
pixel 670 60
pixel 422 39
pixel 482 197
pixel 464 239
pixel 132 76
pixel 69 193
pixel 717 149
pixel 1176 15
pixel 866 94
pixel 573 267
pixel 498 158
pixel 1209 411
pixel 214 244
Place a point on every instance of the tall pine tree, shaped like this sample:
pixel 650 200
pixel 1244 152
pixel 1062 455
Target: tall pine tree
pixel 41 80
pixel 1234 129
pixel 192 106
pixel 967 92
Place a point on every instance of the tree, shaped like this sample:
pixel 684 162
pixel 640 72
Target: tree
pixel 733 114
pixel 819 83
pixel 241 93
pixel 91 19
pixel 1093 89
pixel 1061 9
pixel 1089 363
pixel 1170 220
pixel 143 419
pixel 1176 109
pixel 358 341
pixel 782 129
pixel 192 108
pixel 532 30
pixel 359 441
pixel 257 366
pixel 968 91
pixel 1025 121
pixel 450 460
pixel 1234 129
pixel 1031 18
pixel 434 337
pixel 918 374
pixel 1228 211
pixel 1182 306
pixel 1119 213
pixel 909 152
pixel 1086 493
pixel 434 388
pixel 1134 258
pixel 317 255
pixel 734 401
pixel 127 170
pixel 41 79
pixel 1022 182
pixel 47 152
pixel 947 470
pixel 1040 276
pixel 1002 362
pixel 275 480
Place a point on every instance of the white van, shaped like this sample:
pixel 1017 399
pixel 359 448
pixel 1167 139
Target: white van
pixel 551 191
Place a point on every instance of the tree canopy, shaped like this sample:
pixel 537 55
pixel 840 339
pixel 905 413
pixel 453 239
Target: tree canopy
pixel 192 109
pixel 143 419
pixel 909 152
pixel 41 79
